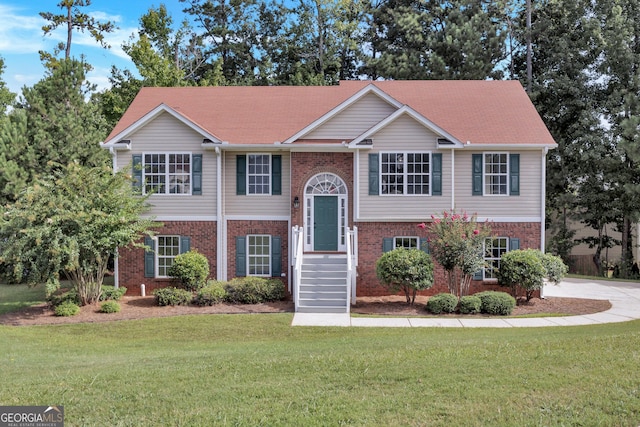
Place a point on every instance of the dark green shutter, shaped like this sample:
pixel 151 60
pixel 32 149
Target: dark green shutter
pixel 436 170
pixel 185 244
pixel 477 174
pixel 241 175
pixel 149 258
pixel 276 256
pixel 387 244
pixel 137 171
pixel 423 245
pixel 374 176
pixel 514 244
pixel 276 175
pixel 241 256
pixel 196 175
pixel 514 174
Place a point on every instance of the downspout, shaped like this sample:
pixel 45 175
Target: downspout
pixel 116 272
pixel 543 197
pixel 356 187
pixel 221 264
pixel 453 181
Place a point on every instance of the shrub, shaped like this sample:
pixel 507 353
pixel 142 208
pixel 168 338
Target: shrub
pixel 254 290
pixel 66 309
pixel 172 296
pixel 112 293
pixel 496 303
pixel 556 268
pixel 109 307
pixel 212 293
pixel 409 270
pixel 470 304
pixel 59 298
pixel 191 269
pixel 442 303
pixel 522 268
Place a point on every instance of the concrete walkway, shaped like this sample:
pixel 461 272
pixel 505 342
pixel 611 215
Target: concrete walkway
pixel 624 298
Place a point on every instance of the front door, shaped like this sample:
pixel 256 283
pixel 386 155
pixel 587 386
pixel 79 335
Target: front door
pixel 325 226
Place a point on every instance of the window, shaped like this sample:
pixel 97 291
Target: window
pixel 168 249
pixel 405 242
pixel 167 173
pixel 259 260
pixel 496 173
pixel 494 247
pixel 405 173
pixel 259 173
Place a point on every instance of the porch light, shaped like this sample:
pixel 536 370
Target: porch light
pixel 296 202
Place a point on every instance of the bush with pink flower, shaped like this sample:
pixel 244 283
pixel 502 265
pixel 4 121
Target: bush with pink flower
pixel 456 243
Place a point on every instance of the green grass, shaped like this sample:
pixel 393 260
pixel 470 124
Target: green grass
pixel 248 370
pixel 15 297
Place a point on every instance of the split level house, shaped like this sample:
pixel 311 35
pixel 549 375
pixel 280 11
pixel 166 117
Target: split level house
pixel 312 184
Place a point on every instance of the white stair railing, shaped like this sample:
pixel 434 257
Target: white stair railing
pixel 297 237
pixel 352 264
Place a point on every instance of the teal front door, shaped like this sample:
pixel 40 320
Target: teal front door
pixel 325 223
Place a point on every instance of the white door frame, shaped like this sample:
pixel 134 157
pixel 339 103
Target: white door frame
pixel 325 184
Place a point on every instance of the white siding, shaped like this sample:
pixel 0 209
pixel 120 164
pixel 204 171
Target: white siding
pixel 404 134
pixel 526 205
pixel 163 135
pixel 354 120
pixel 256 205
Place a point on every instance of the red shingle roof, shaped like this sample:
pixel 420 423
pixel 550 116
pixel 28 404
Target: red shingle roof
pixel 482 112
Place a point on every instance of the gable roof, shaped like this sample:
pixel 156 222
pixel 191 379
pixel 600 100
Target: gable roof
pixel 481 112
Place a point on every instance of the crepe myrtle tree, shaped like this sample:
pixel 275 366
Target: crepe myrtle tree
pixel 70 223
pixel 408 270
pixel 456 243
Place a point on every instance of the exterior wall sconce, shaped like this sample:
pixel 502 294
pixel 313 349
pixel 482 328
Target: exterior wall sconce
pixel 296 202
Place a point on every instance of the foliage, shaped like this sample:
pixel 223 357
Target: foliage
pixel 496 303
pixel 109 307
pixel 442 303
pixel 191 269
pixel 71 222
pixel 6 96
pixel 408 270
pixel 254 290
pixel 66 309
pixel 112 293
pixel 57 298
pixel 213 293
pixel 172 296
pixel 456 242
pixel 73 18
pixel 527 270
pixel 470 304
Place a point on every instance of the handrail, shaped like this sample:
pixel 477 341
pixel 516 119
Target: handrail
pixel 352 263
pixel 297 243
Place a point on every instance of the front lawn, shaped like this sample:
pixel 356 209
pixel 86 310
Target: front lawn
pixel 258 370
pixel 15 297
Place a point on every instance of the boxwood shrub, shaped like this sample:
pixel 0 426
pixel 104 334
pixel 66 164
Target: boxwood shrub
pixel 470 304
pixel 496 303
pixel 66 309
pixel 191 269
pixel 212 293
pixel 61 297
pixel 442 303
pixel 112 293
pixel 109 307
pixel 254 290
pixel 172 296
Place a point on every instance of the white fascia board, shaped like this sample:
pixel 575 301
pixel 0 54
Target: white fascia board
pixel 405 109
pixel 371 88
pixel 508 146
pixel 162 108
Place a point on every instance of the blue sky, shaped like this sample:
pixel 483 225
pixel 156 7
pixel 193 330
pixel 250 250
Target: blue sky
pixel 21 37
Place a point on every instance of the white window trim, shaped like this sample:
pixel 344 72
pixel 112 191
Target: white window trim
pixel 395 241
pixel 167 153
pixel 270 163
pixel 157 253
pixel 249 236
pixel 405 184
pixel 484 251
pixel 484 174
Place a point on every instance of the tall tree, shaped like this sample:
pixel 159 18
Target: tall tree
pixel 459 39
pixel 73 19
pixel 6 96
pixel 52 125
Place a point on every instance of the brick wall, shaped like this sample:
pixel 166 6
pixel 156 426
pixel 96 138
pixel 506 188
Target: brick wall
pixel 370 235
pixel 131 260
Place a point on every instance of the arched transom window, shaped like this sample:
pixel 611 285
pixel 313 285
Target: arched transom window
pixel 326 183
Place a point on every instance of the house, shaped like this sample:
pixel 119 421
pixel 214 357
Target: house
pixel 312 184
